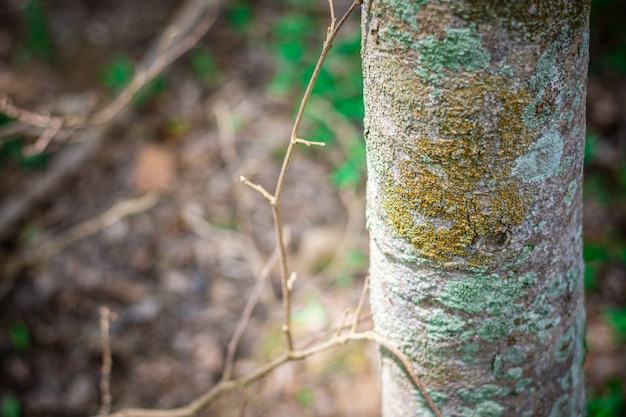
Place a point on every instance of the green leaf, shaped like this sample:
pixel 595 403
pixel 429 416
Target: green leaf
pixel 611 404
pixel 590 278
pixel 349 174
pixel 595 253
pixel 38 42
pixel 19 336
pixel 239 16
pixel 617 320
pixel 11 406
pixel 118 74
pixel 204 66
pixel 591 146
pixel 305 397
pixel 595 188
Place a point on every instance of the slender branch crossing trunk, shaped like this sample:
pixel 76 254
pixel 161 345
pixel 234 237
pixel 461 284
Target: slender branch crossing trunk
pixel 475 123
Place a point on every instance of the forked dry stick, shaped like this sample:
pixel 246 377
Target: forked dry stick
pixel 274 198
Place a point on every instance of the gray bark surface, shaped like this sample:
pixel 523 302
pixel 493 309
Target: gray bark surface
pixel 475 123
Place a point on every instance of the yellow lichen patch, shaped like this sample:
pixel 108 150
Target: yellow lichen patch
pixel 456 184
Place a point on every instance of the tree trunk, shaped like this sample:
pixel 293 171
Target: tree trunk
pixel 475 123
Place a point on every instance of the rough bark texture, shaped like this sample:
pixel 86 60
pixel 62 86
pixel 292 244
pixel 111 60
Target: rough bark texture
pixel 475 123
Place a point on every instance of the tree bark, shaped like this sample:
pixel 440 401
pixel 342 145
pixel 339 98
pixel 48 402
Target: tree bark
pixel 474 126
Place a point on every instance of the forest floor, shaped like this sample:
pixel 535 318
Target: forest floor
pixel 178 272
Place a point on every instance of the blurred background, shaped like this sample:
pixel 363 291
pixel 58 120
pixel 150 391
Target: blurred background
pixel 178 267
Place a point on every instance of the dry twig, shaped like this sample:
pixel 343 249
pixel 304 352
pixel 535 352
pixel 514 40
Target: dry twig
pixel 106 316
pixel 55 245
pixel 116 213
pixel 245 316
pixel 280 183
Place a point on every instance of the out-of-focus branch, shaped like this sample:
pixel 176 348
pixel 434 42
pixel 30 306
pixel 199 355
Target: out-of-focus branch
pixel 49 248
pixel 192 21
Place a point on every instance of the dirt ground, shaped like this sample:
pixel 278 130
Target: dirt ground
pixel 178 272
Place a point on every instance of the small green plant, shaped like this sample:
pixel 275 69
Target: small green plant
pixel 617 319
pixel 611 404
pixel 37 41
pixel 591 146
pixel 305 397
pixel 204 66
pixel 239 14
pixel 11 406
pixel 350 173
pixel 19 336
pixel 118 74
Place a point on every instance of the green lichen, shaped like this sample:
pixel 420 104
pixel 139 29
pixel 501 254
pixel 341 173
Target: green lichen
pixel 401 32
pixel 470 348
pixel 482 292
pixel 514 355
pixel 574 276
pixel 564 166
pixel 570 193
pixel 561 407
pixel 496 365
pixel 542 160
pixel 521 385
pixel 441 326
pixel 494 330
pixel 483 393
pixel 484 409
pixel 557 287
pixel 460 49
pixel 566 380
pixel 514 373
pixel 527 250
pixel 564 346
pixel 528 279
pixel 541 23
pixel 540 226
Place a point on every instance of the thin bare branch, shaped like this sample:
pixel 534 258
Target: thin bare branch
pixel 343 322
pixel 280 183
pixel 359 307
pixel 259 188
pixel 46 137
pixel 246 314
pixel 106 316
pixel 309 143
pixel 114 214
pixel 333 20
